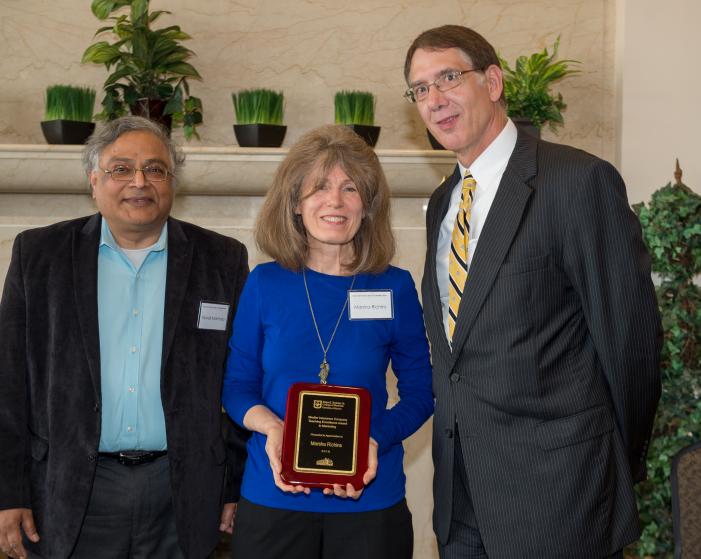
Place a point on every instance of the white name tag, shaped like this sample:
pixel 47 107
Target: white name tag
pixel 212 316
pixel 370 305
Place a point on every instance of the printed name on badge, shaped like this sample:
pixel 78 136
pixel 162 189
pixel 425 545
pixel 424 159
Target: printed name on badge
pixel 370 305
pixel 212 316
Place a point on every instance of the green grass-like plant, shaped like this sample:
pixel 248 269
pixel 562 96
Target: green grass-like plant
pixel 527 87
pixel 258 106
pixel 354 107
pixel 67 102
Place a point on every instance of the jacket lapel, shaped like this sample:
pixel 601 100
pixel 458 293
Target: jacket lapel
pixel 177 277
pixel 85 247
pixel 499 230
pixel 434 312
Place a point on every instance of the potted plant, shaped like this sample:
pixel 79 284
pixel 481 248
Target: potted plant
pixel 149 66
pixel 68 114
pixel 671 225
pixel 356 109
pixel 530 103
pixel 259 115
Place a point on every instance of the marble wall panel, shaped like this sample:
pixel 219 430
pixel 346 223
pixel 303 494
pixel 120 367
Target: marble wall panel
pixel 310 49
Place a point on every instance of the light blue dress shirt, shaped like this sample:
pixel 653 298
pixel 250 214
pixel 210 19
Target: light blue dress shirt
pixel 130 304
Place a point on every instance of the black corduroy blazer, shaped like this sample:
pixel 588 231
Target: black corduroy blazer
pixel 50 401
pixel 552 380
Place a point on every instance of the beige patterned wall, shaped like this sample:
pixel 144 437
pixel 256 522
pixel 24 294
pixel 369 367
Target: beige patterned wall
pixel 310 49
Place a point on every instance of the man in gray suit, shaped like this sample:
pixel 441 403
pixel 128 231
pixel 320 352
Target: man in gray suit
pixel 543 323
pixel 113 337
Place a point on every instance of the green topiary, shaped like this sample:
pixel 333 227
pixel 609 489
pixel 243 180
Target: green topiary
pixel 671 225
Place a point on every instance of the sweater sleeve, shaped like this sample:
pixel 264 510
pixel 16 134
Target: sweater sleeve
pixel 14 435
pixel 411 365
pixel 244 372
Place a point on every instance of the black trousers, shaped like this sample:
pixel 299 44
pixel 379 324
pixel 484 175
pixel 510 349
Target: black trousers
pixel 130 514
pixel 464 541
pixel 268 533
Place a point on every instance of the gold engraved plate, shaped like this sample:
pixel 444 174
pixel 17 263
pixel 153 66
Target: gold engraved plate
pixel 326 433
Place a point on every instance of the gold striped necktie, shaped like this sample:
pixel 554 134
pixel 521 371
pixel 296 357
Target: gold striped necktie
pixel 457 267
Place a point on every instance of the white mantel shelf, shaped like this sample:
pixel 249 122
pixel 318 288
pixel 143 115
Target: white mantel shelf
pixel 208 171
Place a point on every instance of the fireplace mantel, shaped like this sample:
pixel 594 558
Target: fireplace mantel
pixel 208 171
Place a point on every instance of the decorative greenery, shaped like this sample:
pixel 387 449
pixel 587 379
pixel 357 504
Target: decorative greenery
pixel 66 102
pixel 258 106
pixel 147 63
pixel 527 87
pixel 672 231
pixel 354 107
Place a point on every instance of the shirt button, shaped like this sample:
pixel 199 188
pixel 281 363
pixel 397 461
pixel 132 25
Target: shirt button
pixel 130 429
pixel 135 312
pixel 455 377
pixel 133 349
pixel 132 389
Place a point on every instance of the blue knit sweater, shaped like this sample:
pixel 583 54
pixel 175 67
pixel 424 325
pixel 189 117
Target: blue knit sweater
pixel 274 345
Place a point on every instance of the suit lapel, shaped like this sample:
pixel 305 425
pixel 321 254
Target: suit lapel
pixel 434 312
pixel 85 248
pixel 499 230
pixel 177 277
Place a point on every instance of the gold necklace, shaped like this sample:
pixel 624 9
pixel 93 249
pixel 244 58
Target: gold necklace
pixel 324 368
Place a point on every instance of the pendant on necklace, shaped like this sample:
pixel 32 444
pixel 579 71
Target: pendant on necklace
pixel 324 371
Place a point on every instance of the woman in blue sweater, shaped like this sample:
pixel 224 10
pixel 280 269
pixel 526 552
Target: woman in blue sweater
pixel 325 222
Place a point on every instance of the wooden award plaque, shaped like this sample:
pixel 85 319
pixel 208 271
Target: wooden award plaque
pixel 326 435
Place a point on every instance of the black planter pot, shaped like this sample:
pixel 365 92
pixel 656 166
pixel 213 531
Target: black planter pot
pixel 259 135
pixel 153 110
pixel 525 125
pixel 368 133
pixel 435 144
pixel 67 131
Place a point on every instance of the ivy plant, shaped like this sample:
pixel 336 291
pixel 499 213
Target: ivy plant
pixel 671 225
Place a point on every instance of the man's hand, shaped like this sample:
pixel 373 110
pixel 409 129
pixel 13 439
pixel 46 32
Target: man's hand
pixel 228 516
pixel 10 535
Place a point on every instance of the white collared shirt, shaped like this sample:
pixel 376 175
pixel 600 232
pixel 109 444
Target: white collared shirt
pixel 487 171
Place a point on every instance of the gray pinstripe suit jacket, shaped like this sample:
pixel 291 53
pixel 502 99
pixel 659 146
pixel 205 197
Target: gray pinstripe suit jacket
pixel 553 377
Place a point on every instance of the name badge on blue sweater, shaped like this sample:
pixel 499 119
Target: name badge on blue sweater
pixel 212 316
pixel 370 304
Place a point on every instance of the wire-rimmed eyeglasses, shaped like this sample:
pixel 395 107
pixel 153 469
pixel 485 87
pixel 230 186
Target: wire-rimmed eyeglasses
pixel 444 82
pixel 152 173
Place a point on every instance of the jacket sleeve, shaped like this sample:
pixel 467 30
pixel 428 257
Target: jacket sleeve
pixel 15 453
pixel 235 437
pixel 607 262
pixel 411 365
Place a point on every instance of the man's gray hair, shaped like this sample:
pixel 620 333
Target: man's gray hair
pixel 112 130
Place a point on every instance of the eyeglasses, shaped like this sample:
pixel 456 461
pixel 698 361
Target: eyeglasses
pixel 152 173
pixel 445 82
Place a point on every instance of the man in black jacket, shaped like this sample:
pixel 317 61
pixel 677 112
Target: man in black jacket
pixel 543 323
pixel 113 337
